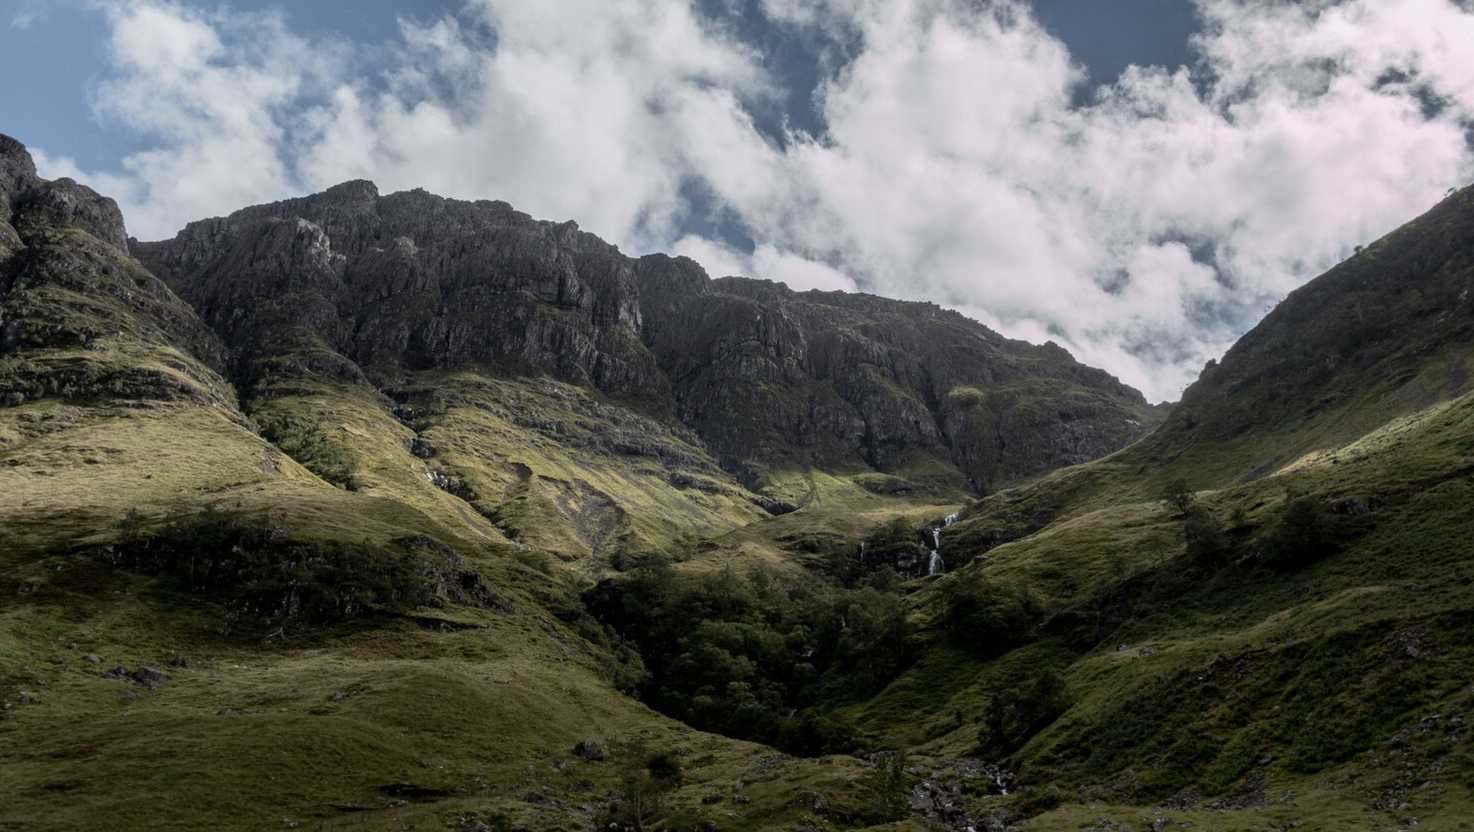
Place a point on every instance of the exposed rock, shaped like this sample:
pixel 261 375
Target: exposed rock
pixel 768 375
pixel 79 318
pixel 354 286
pixel 146 676
pixel 64 203
pixel 589 750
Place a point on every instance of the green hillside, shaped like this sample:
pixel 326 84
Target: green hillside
pixel 309 523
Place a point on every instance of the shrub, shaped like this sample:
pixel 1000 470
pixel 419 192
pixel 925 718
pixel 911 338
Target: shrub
pixel 754 656
pixel 988 619
pixel 1019 711
pixel 665 766
pixel 895 544
pixel 306 443
pixel 1206 541
pixel 1040 799
pixel 1302 532
pixel 256 570
pixel 641 800
pixel 888 790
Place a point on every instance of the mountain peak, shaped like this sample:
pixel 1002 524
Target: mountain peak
pixel 15 160
pixel 354 190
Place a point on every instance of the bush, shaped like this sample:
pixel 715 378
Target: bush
pixel 888 790
pixel 641 800
pixel 1207 543
pixel 989 620
pixel 755 656
pixel 1019 711
pixel 306 443
pixel 664 766
pixel 1302 532
pixel 257 571
pixel 898 545
pixel 1179 495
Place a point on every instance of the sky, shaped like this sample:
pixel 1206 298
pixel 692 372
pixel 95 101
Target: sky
pixel 1136 180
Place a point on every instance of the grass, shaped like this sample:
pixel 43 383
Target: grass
pixel 1204 684
pixel 562 471
pixel 1335 695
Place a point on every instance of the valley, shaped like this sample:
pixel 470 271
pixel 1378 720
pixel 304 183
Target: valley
pixel 363 511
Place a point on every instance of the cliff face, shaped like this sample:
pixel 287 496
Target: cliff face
pixel 835 379
pixel 359 287
pixel 354 285
pixel 78 316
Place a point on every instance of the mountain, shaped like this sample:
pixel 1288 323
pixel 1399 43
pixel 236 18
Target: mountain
pixel 1386 333
pixel 1290 641
pixel 360 288
pixel 391 512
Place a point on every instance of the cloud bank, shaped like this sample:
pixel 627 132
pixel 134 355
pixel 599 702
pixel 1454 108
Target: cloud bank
pixel 1143 230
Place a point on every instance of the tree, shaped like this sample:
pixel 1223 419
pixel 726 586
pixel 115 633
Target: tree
pixel 1302 532
pixel 1179 495
pixel 1021 710
pixel 1206 541
pixel 990 619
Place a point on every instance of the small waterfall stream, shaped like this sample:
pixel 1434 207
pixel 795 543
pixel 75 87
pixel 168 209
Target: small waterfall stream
pixel 936 566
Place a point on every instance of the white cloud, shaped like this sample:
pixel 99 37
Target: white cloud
pixel 1143 231
pixel 766 261
pixel 29 13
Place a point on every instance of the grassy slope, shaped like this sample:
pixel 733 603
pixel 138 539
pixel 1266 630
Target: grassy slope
pixel 302 725
pixel 1249 685
pixel 835 509
pixel 248 734
pixel 1309 697
pixel 562 471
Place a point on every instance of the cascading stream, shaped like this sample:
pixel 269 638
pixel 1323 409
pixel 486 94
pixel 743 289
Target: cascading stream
pixel 936 566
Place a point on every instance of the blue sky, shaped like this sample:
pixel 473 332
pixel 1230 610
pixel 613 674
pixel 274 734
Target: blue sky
pixel 1137 180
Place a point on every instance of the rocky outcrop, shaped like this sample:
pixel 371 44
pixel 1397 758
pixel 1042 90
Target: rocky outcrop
pixel 364 288
pixel 412 282
pixel 79 317
pixel 30 205
pixel 767 374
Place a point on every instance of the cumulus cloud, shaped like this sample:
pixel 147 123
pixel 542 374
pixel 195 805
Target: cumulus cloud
pixel 1143 230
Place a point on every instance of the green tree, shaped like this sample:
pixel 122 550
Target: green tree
pixel 1179 495
pixel 1021 710
pixel 1206 541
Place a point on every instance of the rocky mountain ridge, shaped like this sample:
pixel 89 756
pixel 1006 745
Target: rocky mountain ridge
pixel 364 288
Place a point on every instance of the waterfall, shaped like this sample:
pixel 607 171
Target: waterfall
pixel 936 539
pixel 949 520
pixel 936 565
